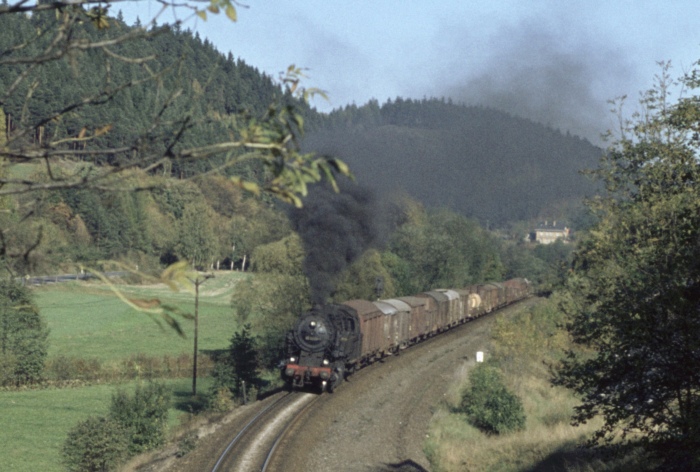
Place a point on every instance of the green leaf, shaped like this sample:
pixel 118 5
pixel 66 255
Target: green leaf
pixel 298 120
pixel 231 13
pixel 246 185
pixel 340 166
pixel 202 14
pixel 295 200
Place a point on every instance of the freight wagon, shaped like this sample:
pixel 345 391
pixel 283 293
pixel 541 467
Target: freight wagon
pixel 331 341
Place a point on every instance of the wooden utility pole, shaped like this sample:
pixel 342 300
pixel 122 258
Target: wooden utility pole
pixel 199 280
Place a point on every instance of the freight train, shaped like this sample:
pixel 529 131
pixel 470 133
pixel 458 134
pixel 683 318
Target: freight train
pixel 331 341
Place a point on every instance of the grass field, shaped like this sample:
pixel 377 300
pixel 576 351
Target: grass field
pixel 88 320
pixel 35 422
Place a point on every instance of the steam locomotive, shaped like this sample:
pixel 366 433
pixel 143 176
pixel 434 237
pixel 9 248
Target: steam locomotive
pixel 331 341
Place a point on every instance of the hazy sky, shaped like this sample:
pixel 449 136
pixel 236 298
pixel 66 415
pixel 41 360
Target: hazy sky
pixel 557 62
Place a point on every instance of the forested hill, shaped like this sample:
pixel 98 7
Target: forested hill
pixel 171 76
pixel 478 161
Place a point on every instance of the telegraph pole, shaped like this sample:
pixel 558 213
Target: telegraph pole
pixel 199 280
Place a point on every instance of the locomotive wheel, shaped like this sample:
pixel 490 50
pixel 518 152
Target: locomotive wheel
pixel 336 379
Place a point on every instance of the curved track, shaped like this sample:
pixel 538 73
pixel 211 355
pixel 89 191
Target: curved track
pixel 379 420
pixel 391 403
pixel 254 447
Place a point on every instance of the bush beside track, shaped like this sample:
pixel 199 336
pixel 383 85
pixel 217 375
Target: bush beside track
pixel 522 349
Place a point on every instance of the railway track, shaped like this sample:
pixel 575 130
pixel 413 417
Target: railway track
pixel 254 447
pixel 314 425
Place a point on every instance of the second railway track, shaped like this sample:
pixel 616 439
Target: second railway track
pixel 253 448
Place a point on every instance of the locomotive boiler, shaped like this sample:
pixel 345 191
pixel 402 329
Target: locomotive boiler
pixel 320 345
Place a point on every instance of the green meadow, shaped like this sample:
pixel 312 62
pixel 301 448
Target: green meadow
pixel 35 422
pixel 88 321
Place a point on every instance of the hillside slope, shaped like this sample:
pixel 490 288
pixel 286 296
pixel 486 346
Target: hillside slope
pixel 478 161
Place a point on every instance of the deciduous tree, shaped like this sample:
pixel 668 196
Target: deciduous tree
pixel 634 300
pixel 197 241
pixel 271 303
pixel 143 415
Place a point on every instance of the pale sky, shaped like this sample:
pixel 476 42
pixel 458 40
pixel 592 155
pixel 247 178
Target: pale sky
pixel 553 61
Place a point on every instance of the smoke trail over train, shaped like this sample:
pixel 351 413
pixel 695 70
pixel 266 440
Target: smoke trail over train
pixel 336 229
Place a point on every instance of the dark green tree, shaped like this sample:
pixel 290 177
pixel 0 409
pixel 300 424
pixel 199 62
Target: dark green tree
pixel 521 261
pixel 443 249
pixel 557 258
pixel 23 336
pixel 244 356
pixel 240 363
pixel 97 444
pixel 143 415
pixel 634 301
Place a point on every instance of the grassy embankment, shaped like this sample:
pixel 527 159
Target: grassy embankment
pixel 88 322
pixel 522 347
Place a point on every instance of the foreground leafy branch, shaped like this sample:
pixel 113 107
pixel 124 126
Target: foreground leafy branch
pixel 87 102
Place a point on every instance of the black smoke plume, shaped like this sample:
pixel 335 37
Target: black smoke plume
pixel 336 229
pixel 532 70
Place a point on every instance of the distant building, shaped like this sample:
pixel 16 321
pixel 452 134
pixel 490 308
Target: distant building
pixel 549 231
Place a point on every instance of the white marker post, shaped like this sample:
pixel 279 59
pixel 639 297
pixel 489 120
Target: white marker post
pixel 479 356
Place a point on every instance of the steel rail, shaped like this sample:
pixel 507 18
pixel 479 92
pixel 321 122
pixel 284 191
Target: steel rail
pixel 280 437
pixel 246 428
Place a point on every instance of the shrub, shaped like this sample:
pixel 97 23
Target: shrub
pixel 96 444
pixel 219 400
pixel 137 366
pixel 186 444
pixel 143 415
pixel 64 368
pixel 8 364
pixel 489 405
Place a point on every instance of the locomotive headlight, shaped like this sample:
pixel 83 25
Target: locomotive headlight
pixel 292 360
pixel 325 362
pixel 312 324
